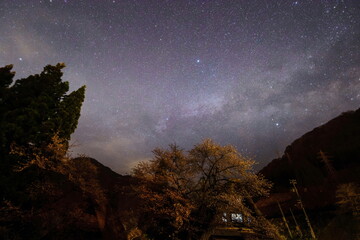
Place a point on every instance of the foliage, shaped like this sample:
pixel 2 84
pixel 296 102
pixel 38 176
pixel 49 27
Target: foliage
pixel 186 194
pixel 37 117
pixel 54 157
pixel 33 109
pixel 348 196
pixel 164 189
pixel 50 175
pixel 47 157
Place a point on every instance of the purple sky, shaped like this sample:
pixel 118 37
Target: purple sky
pixel 254 74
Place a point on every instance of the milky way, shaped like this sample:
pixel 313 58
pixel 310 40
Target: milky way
pixel 254 74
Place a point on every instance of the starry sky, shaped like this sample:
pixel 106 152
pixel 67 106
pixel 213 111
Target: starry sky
pixel 255 74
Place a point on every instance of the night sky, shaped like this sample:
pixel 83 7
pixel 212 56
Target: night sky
pixel 254 74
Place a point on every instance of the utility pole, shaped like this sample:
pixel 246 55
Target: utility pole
pixel 298 229
pixel 284 219
pixel 293 183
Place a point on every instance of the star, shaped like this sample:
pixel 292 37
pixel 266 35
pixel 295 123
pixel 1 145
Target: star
pixel 181 71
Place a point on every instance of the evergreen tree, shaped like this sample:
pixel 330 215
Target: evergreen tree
pixel 6 79
pixel 35 108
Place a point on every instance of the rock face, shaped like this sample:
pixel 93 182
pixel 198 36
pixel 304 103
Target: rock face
pixel 319 160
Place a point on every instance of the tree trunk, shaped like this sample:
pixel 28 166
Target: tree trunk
pixel 206 235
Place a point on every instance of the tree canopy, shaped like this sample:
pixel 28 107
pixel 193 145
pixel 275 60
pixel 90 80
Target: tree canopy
pixel 186 194
pixel 34 109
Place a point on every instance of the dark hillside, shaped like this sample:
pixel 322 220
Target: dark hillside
pixel 88 202
pixel 322 161
pixel 339 140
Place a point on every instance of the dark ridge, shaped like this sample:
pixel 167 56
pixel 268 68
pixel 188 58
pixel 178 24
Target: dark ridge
pixel 339 141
